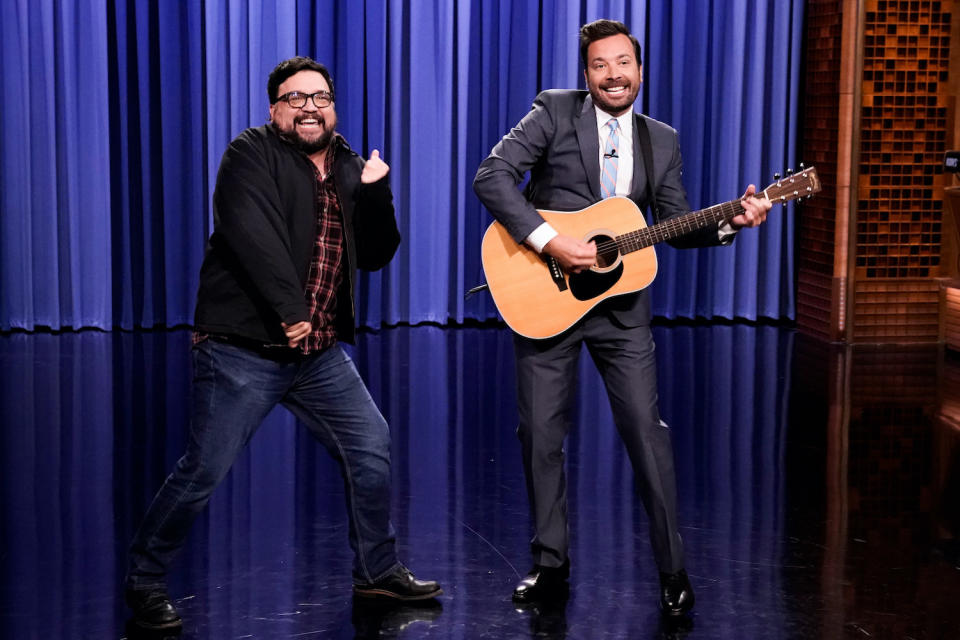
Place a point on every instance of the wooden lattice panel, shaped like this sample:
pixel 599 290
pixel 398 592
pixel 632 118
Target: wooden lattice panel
pixel 906 60
pixel 897 310
pixel 903 137
pixel 816 226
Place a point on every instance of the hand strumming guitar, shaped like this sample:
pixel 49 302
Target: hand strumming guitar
pixel 572 254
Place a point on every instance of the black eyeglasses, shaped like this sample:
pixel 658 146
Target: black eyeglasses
pixel 298 100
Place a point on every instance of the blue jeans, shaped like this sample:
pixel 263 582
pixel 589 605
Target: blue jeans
pixel 234 389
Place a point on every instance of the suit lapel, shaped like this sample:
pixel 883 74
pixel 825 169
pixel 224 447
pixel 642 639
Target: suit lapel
pixel 638 189
pixel 589 141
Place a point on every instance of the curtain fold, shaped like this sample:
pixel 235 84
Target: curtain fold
pixel 115 114
pixel 725 75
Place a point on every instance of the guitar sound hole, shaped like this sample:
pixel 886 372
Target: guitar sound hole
pixel 588 285
pixel 607 252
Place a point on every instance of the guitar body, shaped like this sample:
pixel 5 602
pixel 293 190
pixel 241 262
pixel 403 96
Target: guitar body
pixel 535 303
pixel 538 300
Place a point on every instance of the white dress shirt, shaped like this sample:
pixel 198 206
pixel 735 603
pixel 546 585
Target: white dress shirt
pixel 543 234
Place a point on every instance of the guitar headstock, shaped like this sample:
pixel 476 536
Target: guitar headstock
pixel 793 186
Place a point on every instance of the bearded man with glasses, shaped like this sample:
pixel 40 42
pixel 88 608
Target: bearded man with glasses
pixel 296 213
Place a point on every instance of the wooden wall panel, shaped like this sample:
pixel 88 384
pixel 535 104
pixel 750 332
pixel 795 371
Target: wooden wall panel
pixel 903 138
pixel 878 280
pixel 816 224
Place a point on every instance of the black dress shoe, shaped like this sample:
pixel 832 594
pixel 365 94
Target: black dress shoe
pixel 543 583
pixel 676 594
pixel 399 585
pixel 152 609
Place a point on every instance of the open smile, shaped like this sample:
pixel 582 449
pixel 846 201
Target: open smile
pixel 310 124
pixel 616 91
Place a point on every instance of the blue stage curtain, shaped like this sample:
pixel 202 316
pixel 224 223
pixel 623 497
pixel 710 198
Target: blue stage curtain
pixel 115 114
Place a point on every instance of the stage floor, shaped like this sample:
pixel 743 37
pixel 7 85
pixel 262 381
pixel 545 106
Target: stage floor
pixel 819 493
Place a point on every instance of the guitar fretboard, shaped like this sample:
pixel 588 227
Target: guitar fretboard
pixel 794 186
pixel 678 226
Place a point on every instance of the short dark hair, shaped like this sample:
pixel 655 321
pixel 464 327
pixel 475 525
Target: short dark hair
pixel 291 66
pixel 600 29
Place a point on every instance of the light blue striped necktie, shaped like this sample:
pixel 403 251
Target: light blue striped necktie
pixel 608 176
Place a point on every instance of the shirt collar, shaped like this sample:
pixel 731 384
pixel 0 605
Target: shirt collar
pixel 625 120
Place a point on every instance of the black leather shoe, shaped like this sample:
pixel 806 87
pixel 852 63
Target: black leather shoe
pixel 676 594
pixel 399 585
pixel 152 609
pixel 543 583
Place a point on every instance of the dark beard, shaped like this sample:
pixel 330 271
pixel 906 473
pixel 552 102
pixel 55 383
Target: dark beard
pixel 604 103
pixel 309 147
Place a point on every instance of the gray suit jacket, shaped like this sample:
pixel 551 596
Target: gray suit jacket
pixel 557 142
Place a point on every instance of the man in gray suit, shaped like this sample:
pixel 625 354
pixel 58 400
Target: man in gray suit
pixel 580 147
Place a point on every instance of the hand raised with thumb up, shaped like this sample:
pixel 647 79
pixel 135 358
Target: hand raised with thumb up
pixel 374 169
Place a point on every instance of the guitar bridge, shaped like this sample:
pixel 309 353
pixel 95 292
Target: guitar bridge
pixel 556 273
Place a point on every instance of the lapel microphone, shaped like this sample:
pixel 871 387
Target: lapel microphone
pixel 612 154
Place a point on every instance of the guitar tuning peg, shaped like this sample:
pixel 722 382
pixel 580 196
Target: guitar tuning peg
pixel 776 176
pixel 789 171
pixel 801 167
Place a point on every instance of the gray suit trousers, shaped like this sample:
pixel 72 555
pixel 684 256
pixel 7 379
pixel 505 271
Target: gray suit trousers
pixel 546 376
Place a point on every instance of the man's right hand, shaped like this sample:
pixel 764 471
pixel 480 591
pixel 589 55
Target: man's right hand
pixel 295 332
pixel 572 254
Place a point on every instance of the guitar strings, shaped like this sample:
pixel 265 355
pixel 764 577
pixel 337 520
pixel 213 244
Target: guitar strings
pixel 671 228
pixel 668 229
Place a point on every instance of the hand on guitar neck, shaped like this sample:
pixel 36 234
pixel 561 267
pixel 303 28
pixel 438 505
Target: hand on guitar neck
pixel 572 254
pixel 754 210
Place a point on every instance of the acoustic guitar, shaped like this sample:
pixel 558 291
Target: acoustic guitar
pixel 537 299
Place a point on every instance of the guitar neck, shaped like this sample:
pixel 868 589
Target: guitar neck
pixel 678 226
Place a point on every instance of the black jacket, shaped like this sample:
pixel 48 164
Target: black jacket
pixel 257 260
